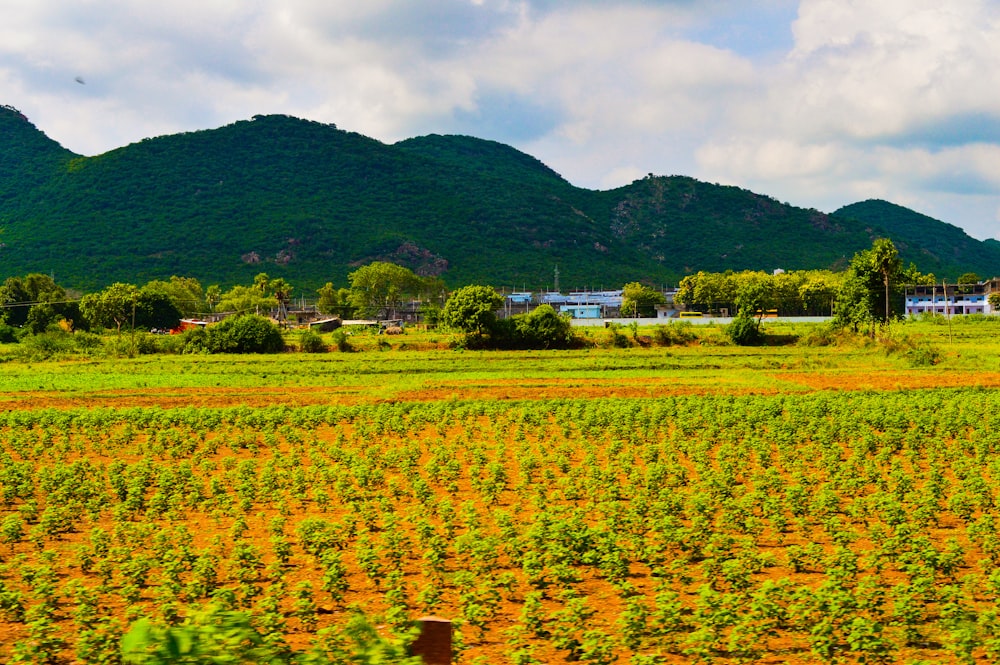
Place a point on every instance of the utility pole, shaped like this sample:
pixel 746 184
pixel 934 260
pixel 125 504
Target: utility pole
pixel 947 307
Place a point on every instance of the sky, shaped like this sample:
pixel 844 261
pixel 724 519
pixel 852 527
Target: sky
pixel 817 103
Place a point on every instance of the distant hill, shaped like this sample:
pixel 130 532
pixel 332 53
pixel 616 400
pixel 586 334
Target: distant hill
pixel 928 241
pixel 309 202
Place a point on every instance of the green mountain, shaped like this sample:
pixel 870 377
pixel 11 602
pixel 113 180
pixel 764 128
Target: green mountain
pixel 309 202
pixel 927 241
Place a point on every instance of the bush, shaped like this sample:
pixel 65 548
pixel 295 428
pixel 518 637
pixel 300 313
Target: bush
pixel 918 352
pixel 169 343
pixel 341 342
pixel 679 333
pixel 195 340
pixel 47 345
pixel 8 334
pixel 743 331
pixel 250 333
pixel 821 335
pixel 310 342
pixel 543 328
pixel 88 342
pixel 618 339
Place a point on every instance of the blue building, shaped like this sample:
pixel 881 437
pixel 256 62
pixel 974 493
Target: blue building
pixel 582 311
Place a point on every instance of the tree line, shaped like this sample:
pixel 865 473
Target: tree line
pixel 865 296
pixel 35 303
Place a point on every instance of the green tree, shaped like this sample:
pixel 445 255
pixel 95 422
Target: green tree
pixel 35 301
pixel 707 291
pixel 186 294
pixel 113 307
pixel 282 292
pixel 752 300
pixel 818 292
pixel 472 309
pixel 213 294
pixel 639 300
pixel 874 280
pixel 378 288
pixel 883 260
pixel 968 278
pixel 244 299
pixel 125 305
pixel 156 309
pixel 994 300
pixel 334 301
pixel 913 276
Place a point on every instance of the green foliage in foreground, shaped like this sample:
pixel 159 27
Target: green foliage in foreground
pixel 226 637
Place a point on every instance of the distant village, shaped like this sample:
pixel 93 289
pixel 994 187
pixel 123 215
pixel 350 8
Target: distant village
pixel 589 308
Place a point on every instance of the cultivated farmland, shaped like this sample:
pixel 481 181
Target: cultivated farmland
pixel 692 504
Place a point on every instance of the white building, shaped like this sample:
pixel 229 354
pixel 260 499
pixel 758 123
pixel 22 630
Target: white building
pixel 951 299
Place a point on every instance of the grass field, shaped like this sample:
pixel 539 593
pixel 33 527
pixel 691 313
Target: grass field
pixel 697 503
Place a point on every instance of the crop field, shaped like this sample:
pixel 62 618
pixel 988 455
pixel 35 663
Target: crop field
pixel 694 504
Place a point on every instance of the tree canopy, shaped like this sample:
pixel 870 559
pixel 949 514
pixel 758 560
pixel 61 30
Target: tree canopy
pixel 639 300
pixel 334 301
pixel 378 289
pixel 125 305
pixel 472 309
pixel 797 292
pixel 867 295
pixel 35 301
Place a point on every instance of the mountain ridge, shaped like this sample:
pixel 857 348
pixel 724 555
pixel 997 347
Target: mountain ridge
pixel 309 202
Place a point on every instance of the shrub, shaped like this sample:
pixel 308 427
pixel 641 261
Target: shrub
pixel 341 342
pixel 743 331
pixel 47 345
pixel 87 342
pixel 195 340
pixel 8 334
pixel 543 328
pixel 679 332
pixel 310 342
pixel 169 343
pixel 250 333
pixel 821 335
pixel 618 339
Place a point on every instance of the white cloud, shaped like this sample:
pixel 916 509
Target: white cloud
pixel 845 99
pixel 900 98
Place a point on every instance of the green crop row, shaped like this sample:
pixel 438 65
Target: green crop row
pixel 830 527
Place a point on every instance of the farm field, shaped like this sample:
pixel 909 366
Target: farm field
pixel 787 504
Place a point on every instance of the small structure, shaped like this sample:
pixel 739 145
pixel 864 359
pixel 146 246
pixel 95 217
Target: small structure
pixel 188 324
pixel 325 325
pixel 581 311
pixel 433 645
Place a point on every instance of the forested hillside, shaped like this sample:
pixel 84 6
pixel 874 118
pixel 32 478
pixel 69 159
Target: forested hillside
pixel 309 202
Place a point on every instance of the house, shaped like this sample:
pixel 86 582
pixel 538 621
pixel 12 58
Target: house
pixel 581 311
pixel 949 299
